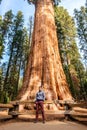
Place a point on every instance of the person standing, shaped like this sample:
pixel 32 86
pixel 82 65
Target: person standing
pixel 40 98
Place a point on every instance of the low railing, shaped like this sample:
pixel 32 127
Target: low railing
pixel 70 109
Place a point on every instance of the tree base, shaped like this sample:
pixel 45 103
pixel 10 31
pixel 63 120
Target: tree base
pixel 48 106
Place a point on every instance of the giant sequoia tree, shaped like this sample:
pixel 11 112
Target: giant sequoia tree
pixel 44 64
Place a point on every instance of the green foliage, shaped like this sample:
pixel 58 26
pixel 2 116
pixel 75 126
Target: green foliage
pixel 81 21
pixel 66 32
pixel 1 38
pixel 1 79
pixel 4 28
pixel 81 73
pixel 15 52
pixel 3 95
pixel 17 42
pixel 7 21
pixel 0 1
pixel 85 86
pixel 20 83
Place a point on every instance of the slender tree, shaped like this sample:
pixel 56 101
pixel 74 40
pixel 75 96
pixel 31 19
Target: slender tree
pixel 66 32
pixel 7 27
pixel 81 21
pixel 15 46
pixel 1 82
pixel 1 38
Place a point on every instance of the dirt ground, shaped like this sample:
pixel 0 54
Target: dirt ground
pixel 50 125
pixel 26 124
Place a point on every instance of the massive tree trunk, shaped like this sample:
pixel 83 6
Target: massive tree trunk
pixel 44 66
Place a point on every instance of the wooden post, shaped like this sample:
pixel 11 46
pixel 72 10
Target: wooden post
pixel 14 111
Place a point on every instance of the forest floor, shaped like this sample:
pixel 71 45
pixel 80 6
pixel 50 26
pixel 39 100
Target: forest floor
pixel 16 124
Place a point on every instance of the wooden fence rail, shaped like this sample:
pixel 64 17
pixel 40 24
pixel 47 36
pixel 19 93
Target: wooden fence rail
pixel 72 109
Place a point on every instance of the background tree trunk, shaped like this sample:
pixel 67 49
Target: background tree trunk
pixel 44 66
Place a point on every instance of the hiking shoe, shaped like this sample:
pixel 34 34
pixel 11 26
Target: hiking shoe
pixel 43 122
pixel 35 121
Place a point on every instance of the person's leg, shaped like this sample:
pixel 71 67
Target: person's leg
pixel 42 110
pixel 37 108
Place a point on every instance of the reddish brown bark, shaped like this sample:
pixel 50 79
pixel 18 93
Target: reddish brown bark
pixel 44 66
